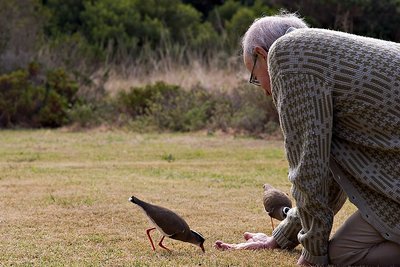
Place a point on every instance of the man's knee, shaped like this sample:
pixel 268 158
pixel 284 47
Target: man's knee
pixel 334 253
pixel 337 253
pixel 342 254
pixel 348 245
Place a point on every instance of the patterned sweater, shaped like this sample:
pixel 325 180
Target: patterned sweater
pixel 338 99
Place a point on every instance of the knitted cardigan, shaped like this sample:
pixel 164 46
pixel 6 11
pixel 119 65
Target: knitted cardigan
pixel 338 99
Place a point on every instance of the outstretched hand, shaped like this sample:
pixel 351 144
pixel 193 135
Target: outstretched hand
pixel 303 262
pixel 254 241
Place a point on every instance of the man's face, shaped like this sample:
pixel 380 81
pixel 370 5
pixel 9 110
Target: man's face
pixel 260 70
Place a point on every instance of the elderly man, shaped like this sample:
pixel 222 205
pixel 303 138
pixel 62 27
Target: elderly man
pixel 338 99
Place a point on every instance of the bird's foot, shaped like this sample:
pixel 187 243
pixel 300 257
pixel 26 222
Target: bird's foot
pixel 161 244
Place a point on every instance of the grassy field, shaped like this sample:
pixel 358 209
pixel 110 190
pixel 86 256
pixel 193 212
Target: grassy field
pixel 64 197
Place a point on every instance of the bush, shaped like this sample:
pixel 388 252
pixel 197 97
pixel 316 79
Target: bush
pixel 184 110
pixel 169 107
pixel 252 109
pixel 86 114
pixel 137 101
pixel 245 109
pixel 30 99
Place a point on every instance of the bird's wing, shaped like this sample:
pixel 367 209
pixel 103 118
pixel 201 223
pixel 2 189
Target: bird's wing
pixel 168 222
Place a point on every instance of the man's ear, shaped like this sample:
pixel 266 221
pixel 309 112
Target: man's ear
pixel 261 51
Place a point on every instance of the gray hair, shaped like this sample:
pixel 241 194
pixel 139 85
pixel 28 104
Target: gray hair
pixel 266 30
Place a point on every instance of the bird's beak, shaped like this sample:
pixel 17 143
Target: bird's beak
pixel 202 248
pixel 270 212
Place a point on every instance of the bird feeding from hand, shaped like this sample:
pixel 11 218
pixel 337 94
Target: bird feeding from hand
pixel 276 203
pixel 169 224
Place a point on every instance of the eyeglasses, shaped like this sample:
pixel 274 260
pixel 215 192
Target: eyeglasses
pixel 253 78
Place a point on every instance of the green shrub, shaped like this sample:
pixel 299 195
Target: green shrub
pixel 222 117
pixel 137 101
pixel 18 97
pixel 169 107
pixel 86 114
pixel 29 98
pixel 184 110
pixel 245 109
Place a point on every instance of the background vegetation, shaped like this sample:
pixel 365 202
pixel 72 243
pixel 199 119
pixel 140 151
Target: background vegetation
pixel 151 64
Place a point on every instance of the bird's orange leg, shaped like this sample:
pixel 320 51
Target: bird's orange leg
pixel 148 235
pixel 161 245
pixel 272 223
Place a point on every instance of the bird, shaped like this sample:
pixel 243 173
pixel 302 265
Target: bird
pixel 276 203
pixel 169 224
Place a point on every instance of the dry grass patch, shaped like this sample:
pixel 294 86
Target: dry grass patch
pixel 64 196
pixel 209 76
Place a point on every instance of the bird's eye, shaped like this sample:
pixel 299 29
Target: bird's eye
pixel 286 210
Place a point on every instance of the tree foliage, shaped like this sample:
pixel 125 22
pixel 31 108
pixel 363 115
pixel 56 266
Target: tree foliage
pixel 132 25
pixel 99 32
pixel 21 28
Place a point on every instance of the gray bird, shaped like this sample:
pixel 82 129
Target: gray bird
pixel 169 224
pixel 276 203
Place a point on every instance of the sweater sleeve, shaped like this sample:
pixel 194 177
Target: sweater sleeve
pixel 286 232
pixel 304 105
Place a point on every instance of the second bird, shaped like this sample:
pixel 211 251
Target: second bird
pixel 276 203
pixel 169 224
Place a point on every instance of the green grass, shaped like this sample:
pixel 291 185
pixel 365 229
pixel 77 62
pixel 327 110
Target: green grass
pixel 64 197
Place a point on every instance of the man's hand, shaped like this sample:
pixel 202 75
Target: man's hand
pixel 303 262
pixel 254 241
